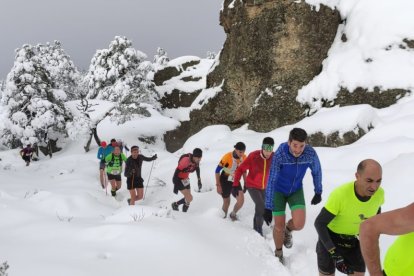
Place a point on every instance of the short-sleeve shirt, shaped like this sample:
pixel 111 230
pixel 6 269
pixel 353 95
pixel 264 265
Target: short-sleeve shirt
pixel 349 211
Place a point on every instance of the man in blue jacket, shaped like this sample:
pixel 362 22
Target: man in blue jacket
pixel 289 165
pixel 104 150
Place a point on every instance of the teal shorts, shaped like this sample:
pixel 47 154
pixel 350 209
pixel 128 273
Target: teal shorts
pixel 295 201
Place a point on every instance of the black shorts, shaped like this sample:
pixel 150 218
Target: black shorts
pixel 116 177
pixel 178 184
pixel 138 183
pixel 26 158
pixel 102 165
pixel 226 186
pixel 349 249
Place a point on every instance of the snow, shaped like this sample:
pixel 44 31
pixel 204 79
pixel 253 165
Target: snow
pixel 56 220
pixel 374 55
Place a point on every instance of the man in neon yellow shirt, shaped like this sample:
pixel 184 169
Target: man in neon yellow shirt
pixel 338 222
pixel 399 260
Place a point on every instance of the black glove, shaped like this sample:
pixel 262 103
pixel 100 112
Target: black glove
pixel 199 184
pixel 316 199
pixel 235 191
pixel 154 157
pixel 340 263
pixel 268 216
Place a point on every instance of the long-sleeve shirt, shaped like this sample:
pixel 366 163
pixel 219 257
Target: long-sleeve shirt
pixel 258 167
pixel 104 152
pixel 133 166
pixel 287 172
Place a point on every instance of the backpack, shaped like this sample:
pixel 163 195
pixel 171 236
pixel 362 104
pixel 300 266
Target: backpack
pixel 111 163
pixel 184 155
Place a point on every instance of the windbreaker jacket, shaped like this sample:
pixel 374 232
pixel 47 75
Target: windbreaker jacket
pixel 287 172
pixel 258 168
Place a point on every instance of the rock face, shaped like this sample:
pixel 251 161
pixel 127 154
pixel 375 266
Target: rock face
pixel 273 48
pixel 271 51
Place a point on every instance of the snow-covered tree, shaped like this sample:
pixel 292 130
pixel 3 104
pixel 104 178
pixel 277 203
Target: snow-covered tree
pixel 35 110
pixel 61 68
pixel 120 74
pixel 160 58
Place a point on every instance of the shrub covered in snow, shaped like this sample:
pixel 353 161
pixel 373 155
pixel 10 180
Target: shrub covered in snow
pixel 120 74
pixel 34 109
pixel 62 71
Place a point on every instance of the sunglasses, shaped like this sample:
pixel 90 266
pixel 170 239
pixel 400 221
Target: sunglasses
pixel 267 147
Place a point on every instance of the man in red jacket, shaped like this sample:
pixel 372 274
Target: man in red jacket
pixel 258 164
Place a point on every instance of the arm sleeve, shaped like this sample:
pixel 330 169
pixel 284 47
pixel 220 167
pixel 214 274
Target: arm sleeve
pixel 316 174
pixel 219 168
pixel 146 158
pixel 198 172
pixel 321 225
pixel 273 175
pixel 244 166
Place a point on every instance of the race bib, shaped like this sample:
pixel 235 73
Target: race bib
pixel 185 182
pixel 230 178
pixel 115 172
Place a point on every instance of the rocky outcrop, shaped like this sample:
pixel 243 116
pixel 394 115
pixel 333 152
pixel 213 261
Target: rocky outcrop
pixel 271 51
pixel 273 48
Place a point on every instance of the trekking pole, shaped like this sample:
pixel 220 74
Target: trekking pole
pixel 106 182
pixel 148 179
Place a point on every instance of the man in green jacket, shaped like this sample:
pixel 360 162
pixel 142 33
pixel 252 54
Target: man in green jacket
pixel 114 168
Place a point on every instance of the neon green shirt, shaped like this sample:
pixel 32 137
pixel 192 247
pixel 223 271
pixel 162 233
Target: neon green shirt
pixel 399 260
pixel 349 211
pixel 114 167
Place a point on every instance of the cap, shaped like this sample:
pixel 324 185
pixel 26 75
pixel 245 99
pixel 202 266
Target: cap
pixel 103 144
pixel 240 146
pixel 197 152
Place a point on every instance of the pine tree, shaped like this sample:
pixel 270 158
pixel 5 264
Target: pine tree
pixel 36 111
pixel 120 74
pixel 61 68
pixel 160 58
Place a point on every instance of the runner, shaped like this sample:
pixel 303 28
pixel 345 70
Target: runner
pixel 338 222
pixel 26 154
pixel 187 164
pixel 135 182
pixel 289 165
pixel 103 151
pixel 258 164
pixel 114 168
pixel 224 179
pixel 399 259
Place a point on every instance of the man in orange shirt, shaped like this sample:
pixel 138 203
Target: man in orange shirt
pixel 224 179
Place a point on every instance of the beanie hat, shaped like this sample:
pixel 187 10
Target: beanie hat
pixel 103 144
pixel 197 152
pixel 240 146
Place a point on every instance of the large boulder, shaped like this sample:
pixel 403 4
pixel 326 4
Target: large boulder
pixel 271 51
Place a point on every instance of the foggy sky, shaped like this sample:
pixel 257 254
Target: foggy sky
pixel 181 27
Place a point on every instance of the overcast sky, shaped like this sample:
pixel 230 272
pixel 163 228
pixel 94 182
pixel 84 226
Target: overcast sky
pixel 181 27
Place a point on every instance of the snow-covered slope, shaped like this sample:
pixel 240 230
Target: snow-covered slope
pixel 56 220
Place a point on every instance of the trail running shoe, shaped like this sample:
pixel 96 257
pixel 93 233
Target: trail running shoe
pixel 288 241
pixel 174 206
pixel 279 255
pixel 233 216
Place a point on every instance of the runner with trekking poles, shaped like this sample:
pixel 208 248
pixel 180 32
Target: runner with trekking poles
pixel 135 182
